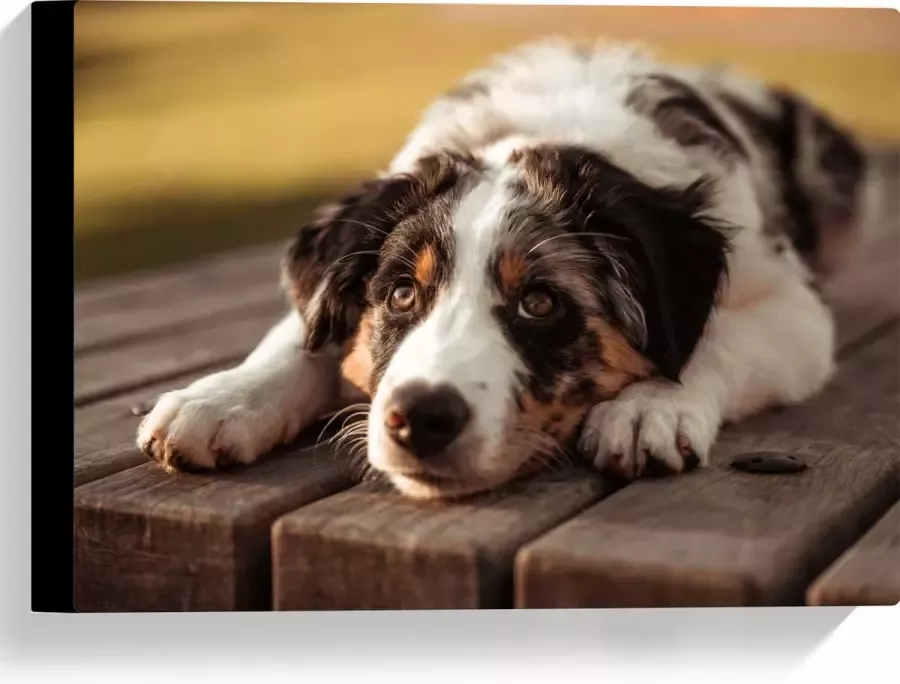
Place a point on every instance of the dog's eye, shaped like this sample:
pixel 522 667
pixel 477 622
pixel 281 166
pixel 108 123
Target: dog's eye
pixel 402 297
pixel 537 303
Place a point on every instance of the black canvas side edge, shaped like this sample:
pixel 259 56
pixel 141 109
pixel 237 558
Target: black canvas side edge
pixel 52 207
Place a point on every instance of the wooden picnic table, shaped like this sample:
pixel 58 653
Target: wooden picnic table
pixel 298 531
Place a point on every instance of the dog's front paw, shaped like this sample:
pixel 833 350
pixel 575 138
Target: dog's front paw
pixel 651 429
pixel 218 422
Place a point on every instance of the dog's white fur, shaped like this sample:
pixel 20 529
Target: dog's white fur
pixel 247 410
pixel 769 341
pixel 460 342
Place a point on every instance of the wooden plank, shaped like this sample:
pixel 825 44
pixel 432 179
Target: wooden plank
pixel 369 548
pixel 149 541
pixel 868 573
pixel 144 304
pixel 715 537
pixel 723 537
pixel 237 267
pixel 860 406
pixel 104 373
pixel 194 310
pixel 105 432
pixel 867 297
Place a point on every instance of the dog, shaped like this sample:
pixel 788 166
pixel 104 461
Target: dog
pixel 576 251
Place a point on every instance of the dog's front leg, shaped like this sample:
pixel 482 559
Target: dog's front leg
pixel 237 415
pixel 778 351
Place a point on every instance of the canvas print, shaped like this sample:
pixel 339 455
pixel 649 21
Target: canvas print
pixel 413 307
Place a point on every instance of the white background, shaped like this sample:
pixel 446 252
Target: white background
pixel 733 645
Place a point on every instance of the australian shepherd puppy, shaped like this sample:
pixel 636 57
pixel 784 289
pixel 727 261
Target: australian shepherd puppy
pixel 576 252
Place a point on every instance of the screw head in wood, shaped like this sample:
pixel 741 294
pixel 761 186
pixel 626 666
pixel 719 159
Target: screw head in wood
pixel 768 462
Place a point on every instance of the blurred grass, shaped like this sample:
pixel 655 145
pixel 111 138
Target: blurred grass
pixel 204 126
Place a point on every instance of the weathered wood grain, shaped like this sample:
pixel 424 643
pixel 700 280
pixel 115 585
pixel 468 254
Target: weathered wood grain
pixel 860 406
pixel 190 310
pixel 722 537
pixel 150 541
pixel 105 432
pixel 122 310
pixel 369 548
pixel 716 537
pixel 868 573
pixel 232 270
pixel 105 373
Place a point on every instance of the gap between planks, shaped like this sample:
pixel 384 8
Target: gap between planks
pixel 146 540
pixel 142 306
pixel 868 573
pixel 107 373
pixel 106 431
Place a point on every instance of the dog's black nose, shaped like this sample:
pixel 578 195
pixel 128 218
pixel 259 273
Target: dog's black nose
pixel 425 419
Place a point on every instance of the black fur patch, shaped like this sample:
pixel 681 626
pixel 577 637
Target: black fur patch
pixel 780 135
pixel 341 249
pixel 553 351
pixel 839 162
pixel 682 114
pixel 675 257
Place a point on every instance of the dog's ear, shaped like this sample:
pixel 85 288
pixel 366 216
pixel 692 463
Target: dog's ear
pixel 680 259
pixel 660 262
pixel 330 260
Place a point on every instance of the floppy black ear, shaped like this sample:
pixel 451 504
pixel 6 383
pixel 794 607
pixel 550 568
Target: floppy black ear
pixel 674 257
pixel 330 260
pixel 680 259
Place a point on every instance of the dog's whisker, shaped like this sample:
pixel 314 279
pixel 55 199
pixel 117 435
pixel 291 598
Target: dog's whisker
pixel 337 414
pixel 546 450
pixel 364 252
pixel 348 432
pixel 575 235
pixel 347 437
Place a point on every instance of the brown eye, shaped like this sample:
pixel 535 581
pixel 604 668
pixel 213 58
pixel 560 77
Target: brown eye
pixel 403 297
pixel 537 303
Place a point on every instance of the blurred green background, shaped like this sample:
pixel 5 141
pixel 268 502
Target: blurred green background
pixel 201 126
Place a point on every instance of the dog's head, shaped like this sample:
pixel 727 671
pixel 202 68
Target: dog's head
pixel 485 308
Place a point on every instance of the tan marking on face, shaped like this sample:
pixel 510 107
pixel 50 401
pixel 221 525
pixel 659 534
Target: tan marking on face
pixel 546 424
pixel 541 427
pixel 622 363
pixel 356 367
pixel 426 265
pixel 512 269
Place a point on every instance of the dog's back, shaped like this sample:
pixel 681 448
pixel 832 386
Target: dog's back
pixel 807 170
pixel 818 168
